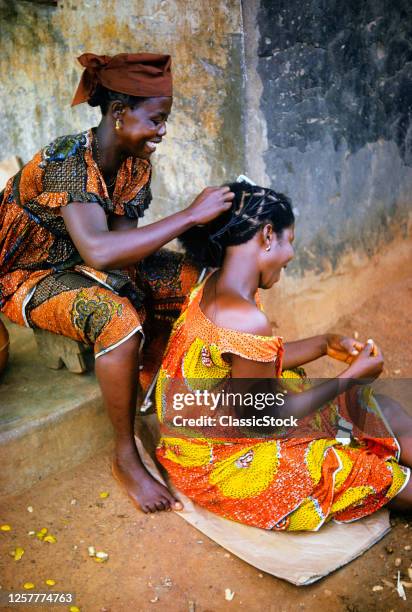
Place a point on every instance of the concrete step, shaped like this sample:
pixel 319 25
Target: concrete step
pixel 50 420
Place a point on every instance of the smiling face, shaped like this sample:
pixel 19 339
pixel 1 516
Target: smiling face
pixel 142 128
pixel 277 257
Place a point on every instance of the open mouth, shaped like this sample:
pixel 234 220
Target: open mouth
pixel 152 144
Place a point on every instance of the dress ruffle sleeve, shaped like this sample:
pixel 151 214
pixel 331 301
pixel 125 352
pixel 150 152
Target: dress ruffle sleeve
pixel 58 199
pixel 251 346
pixel 61 173
pixel 266 349
pixel 65 172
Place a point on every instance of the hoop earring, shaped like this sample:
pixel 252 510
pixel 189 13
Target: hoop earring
pixel 118 124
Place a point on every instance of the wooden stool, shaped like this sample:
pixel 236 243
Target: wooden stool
pixel 56 351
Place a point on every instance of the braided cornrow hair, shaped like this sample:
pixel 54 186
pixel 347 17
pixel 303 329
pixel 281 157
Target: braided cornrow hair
pixel 251 209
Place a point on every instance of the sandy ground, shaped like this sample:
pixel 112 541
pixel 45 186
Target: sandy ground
pixel 161 562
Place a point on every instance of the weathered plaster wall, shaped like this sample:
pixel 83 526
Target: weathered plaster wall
pixel 328 119
pixel 309 97
pixel 39 73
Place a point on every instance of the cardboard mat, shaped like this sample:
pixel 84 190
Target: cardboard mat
pixel 300 558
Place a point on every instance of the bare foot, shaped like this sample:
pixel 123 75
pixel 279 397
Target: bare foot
pixel 145 492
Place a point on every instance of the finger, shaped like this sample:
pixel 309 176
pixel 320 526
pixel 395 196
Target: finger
pixel 368 348
pixel 353 350
pixel 229 195
pixel 350 345
pixel 225 189
pixel 216 189
pixel 374 351
pixel 226 204
pixel 346 345
pixel 377 352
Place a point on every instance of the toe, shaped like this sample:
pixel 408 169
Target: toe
pixel 175 504
pixel 166 503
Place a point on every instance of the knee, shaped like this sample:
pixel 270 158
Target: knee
pixel 132 344
pixel 125 351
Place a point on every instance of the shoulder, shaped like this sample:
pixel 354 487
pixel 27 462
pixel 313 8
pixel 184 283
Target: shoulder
pixel 65 147
pixel 245 331
pixel 241 315
pixel 62 173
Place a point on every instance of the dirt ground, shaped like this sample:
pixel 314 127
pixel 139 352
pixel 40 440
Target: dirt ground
pixel 160 562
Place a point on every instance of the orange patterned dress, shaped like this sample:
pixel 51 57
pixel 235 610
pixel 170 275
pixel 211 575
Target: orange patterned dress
pixel 43 280
pixel 293 483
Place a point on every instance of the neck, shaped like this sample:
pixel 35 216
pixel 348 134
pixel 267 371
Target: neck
pixel 239 272
pixel 110 156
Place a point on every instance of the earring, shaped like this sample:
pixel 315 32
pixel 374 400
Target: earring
pixel 268 247
pixel 118 124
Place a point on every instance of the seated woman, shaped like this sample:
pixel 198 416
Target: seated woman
pixel 73 260
pixel 315 474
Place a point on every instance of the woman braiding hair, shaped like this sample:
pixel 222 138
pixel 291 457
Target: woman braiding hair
pixel 73 260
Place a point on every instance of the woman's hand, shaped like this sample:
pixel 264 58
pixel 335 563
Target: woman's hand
pixel 342 348
pixel 209 204
pixel 367 365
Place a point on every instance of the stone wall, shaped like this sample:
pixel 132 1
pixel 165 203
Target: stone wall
pixel 328 122
pixel 39 75
pixel 312 98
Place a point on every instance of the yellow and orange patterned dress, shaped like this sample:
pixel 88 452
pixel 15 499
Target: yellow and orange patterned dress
pixel 293 483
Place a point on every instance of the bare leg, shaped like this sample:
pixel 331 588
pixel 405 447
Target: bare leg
pixel 401 425
pixel 403 501
pixel 117 373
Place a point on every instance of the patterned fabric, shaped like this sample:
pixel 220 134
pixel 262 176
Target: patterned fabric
pixel 78 307
pixel 292 483
pixel 34 241
pixel 167 280
pixel 70 305
pixel 44 282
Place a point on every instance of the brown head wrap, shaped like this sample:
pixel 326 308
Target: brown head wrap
pixel 137 74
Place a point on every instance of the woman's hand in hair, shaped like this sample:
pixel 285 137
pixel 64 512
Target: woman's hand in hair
pixel 209 204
